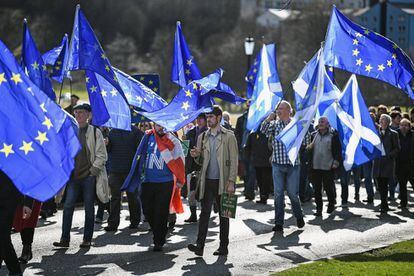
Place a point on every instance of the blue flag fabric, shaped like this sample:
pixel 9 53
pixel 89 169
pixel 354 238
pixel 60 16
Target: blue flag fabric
pixel 108 107
pixel 57 58
pixel 252 75
pixel 152 81
pixel 184 69
pixel 189 102
pixel 353 48
pixel 37 140
pixel 294 133
pixel 33 63
pixel 86 53
pixel 359 137
pixel 267 92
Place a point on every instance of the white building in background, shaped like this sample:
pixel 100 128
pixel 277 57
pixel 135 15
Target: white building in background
pixel 272 17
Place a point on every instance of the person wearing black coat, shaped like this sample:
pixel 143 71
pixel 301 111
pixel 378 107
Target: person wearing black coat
pixel 121 147
pixel 258 153
pixel 191 166
pixel 10 198
pixel 325 158
pixel 405 160
pixel 384 167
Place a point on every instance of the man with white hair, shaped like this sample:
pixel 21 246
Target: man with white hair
pixel 285 174
pixel 384 167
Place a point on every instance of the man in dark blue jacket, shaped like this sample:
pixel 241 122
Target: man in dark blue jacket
pixel 121 147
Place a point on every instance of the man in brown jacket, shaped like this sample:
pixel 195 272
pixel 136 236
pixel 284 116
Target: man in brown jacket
pixel 217 154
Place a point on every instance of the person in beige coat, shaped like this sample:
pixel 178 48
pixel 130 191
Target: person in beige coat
pixel 217 153
pixel 88 177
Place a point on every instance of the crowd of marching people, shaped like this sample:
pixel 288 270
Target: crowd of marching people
pixel 148 164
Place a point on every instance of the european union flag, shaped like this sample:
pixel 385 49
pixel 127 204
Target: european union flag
pixel 252 75
pixel 57 58
pixel 294 133
pixel 267 91
pixel 152 81
pixel 37 141
pixel 34 65
pixel 184 69
pixel 86 53
pixel 108 107
pixel 189 102
pixel 359 136
pixel 353 48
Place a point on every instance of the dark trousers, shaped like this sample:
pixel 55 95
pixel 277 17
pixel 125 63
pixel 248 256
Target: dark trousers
pixel 210 196
pixel 264 181
pixel 383 189
pixel 323 179
pixel 116 180
pixel 403 180
pixel 7 253
pixel 101 209
pixel 27 236
pixel 155 199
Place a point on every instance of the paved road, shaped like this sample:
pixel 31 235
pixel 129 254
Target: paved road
pixel 254 248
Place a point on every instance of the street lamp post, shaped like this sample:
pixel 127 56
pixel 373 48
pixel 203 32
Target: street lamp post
pixel 248 49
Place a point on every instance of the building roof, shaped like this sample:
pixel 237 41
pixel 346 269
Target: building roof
pixel 361 11
pixel 409 11
pixel 283 14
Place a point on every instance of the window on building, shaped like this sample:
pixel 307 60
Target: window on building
pixel 391 28
pixel 391 17
pixel 401 18
pixel 375 19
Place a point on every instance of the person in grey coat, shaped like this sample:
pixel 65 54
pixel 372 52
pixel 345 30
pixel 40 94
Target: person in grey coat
pixel 384 167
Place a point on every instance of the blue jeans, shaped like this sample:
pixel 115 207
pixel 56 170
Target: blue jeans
pixel 286 177
pixel 369 186
pixel 392 183
pixel 73 188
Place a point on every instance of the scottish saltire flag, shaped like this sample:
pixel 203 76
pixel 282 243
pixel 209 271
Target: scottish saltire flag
pixel 353 48
pixel 189 102
pixel 108 107
pixel 294 133
pixel 267 91
pixel 359 137
pixel 252 75
pixel 57 58
pixel 37 141
pixel 184 69
pixel 86 53
pixel 33 63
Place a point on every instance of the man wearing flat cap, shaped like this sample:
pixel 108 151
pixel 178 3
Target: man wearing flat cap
pixel 88 174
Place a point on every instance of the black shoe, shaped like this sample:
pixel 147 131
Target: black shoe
pixel 331 208
pixel 262 201
pixel 369 200
pixel 300 222
pixel 110 229
pixel 157 248
pixel 26 254
pixel 356 197
pixel 249 198
pixel 191 219
pixel 221 251
pixel 278 228
pixel 198 250
pixel 318 214
pixel 132 226
pixel 85 244
pixel 61 243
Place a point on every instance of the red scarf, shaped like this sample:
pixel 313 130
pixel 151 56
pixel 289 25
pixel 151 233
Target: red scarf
pixel 172 154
